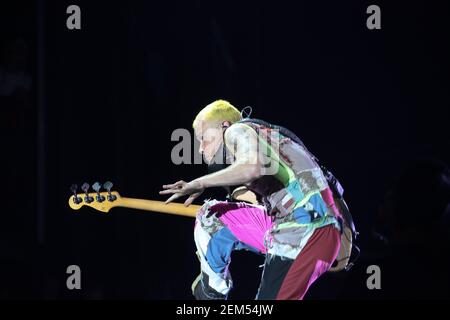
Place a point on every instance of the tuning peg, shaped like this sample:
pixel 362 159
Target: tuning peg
pixel 96 186
pixel 76 198
pixel 108 186
pixel 85 188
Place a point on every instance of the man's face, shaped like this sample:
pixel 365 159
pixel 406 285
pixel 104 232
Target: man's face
pixel 210 136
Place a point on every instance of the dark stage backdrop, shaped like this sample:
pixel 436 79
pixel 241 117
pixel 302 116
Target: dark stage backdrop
pixel 104 101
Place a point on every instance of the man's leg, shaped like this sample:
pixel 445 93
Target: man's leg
pixel 231 226
pixel 287 279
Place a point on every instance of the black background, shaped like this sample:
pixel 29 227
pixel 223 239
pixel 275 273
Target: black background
pixel 105 99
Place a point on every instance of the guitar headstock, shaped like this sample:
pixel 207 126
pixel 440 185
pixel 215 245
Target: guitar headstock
pixel 101 201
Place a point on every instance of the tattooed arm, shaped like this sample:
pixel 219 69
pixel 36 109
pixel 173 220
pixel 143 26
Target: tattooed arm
pixel 242 141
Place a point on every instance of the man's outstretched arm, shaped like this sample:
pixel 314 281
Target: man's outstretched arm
pixel 242 141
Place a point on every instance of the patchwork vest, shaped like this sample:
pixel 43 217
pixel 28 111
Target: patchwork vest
pixel 297 177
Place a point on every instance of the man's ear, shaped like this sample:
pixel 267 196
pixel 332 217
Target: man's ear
pixel 226 124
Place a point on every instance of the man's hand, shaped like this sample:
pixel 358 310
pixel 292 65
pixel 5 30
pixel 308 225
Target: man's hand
pixel 182 188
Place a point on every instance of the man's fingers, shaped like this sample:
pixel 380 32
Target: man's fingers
pixel 170 186
pixel 177 190
pixel 189 201
pixel 173 197
pixel 169 191
pixel 173 185
pixel 191 198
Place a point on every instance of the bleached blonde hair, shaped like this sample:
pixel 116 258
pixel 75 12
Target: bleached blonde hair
pixel 219 110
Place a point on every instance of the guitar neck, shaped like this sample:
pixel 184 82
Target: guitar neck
pixel 159 206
